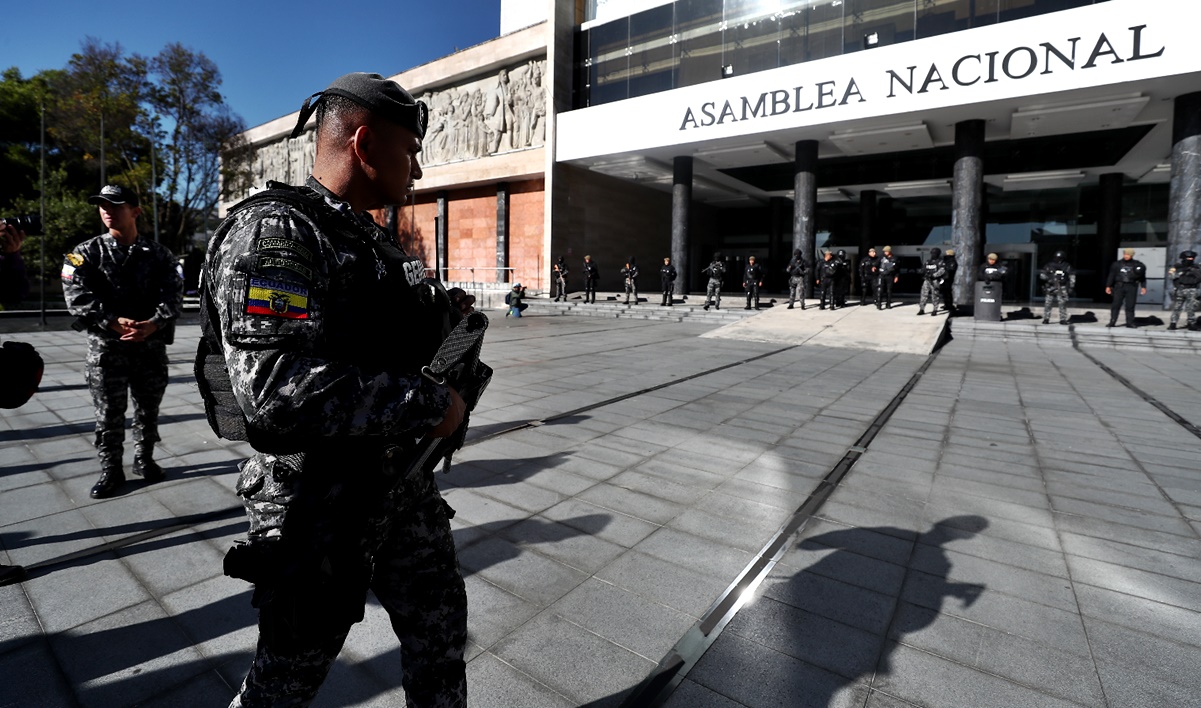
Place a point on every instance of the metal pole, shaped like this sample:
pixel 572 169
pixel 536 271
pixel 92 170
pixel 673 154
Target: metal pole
pixel 42 214
pixel 103 174
pixel 153 186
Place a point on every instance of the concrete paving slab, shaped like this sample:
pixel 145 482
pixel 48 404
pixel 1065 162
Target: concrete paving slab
pixel 848 327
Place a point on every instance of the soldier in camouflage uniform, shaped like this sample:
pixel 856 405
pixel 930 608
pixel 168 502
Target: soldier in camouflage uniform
pixel 796 270
pixel 125 291
pixel 324 333
pixel 716 270
pixel 933 272
pixel 1186 276
pixel 1058 282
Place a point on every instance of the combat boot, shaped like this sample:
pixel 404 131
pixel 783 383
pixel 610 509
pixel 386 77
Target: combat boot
pixel 148 469
pixel 1172 326
pixel 111 479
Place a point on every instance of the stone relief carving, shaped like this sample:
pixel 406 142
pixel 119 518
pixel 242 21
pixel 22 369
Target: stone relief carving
pixel 499 113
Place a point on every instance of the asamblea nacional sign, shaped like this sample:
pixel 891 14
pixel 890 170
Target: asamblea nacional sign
pixel 1106 43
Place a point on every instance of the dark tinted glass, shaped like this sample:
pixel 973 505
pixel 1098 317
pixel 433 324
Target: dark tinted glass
pixel 891 21
pixel 652 59
pixel 752 36
pixel 608 75
pixel 811 31
pixel 698 41
pixel 955 15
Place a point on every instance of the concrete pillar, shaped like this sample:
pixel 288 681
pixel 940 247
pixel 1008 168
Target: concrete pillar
pixel 1184 193
pixel 1109 227
pixel 966 230
pixel 681 210
pixel 804 204
pixel 440 238
pixel 502 231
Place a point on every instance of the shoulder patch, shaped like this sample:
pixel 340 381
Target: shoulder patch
pixel 277 299
pixel 75 259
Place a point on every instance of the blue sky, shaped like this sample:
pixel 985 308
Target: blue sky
pixel 272 55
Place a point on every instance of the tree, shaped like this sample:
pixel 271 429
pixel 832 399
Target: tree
pixel 184 94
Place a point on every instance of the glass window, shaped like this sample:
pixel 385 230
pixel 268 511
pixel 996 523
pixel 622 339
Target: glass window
pixel 752 36
pixel 652 60
pixel 698 41
pixel 943 16
pixel 810 30
pixel 1017 9
pixel 608 54
pixel 890 21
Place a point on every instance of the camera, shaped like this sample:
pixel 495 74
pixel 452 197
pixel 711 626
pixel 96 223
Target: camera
pixel 31 224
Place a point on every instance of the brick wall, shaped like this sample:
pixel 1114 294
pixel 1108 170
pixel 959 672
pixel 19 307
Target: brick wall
pixel 471 231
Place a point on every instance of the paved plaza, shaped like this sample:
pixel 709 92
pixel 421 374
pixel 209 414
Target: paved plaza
pixel 644 513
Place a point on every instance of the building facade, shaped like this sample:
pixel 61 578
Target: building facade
pixel 648 128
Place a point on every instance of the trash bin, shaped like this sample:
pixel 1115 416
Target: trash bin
pixel 988 301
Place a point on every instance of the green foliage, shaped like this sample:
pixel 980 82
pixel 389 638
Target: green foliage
pixel 158 126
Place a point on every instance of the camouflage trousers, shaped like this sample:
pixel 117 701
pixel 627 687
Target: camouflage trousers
pixel 930 294
pixel 414 573
pixel 796 290
pixel 1184 299
pixel 115 371
pixel 713 293
pixel 1056 297
pixel 631 288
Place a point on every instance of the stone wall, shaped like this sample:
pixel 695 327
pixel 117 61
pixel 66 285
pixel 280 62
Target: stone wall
pixel 485 116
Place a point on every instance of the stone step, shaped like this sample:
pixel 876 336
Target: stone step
pixel 1085 334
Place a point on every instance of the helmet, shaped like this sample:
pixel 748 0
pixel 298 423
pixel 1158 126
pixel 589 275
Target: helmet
pixel 841 253
pixel 1060 255
pixel 717 256
pixel 1188 255
pixel 935 252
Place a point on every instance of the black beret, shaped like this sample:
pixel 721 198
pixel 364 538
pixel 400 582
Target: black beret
pixel 381 96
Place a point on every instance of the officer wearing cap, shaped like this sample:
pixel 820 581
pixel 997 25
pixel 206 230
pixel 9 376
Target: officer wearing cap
pixel 888 272
pixel 125 291
pixel 1127 280
pixel 827 276
pixel 1186 276
pixel 991 271
pixel 325 324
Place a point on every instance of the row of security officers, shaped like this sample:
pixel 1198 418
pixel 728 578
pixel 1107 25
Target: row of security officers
pixel 879 272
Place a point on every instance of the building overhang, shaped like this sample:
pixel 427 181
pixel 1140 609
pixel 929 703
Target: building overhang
pixel 1105 67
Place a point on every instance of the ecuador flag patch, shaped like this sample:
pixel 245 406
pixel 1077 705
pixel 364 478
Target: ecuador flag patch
pixel 276 299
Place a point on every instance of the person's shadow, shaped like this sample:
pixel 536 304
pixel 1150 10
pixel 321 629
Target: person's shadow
pixel 826 628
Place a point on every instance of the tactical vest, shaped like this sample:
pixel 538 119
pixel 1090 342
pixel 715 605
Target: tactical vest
pixel 887 265
pixel 1188 275
pixel 930 269
pixel 374 317
pixel 1131 271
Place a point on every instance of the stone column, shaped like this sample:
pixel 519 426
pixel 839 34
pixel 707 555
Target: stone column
pixel 1109 227
pixel 440 239
pixel 966 236
pixel 804 204
pixel 681 209
pixel 502 231
pixel 1184 193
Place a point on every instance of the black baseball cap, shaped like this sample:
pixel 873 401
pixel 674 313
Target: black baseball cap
pixel 381 96
pixel 114 194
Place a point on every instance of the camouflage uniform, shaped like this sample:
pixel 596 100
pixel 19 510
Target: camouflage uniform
pixel 716 270
pixel 1058 281
pixel 324 350
pixel 796 279
pixel 1186 276
pixel 933 272
pixel 103 280
pixel 630 274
